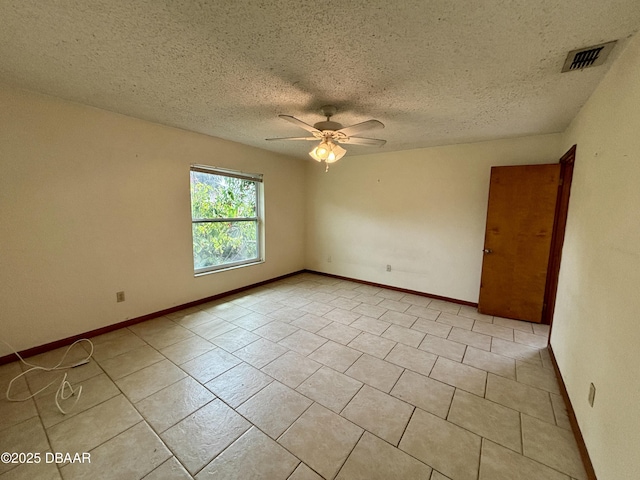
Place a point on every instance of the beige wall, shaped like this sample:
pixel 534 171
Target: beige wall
pixel 93 202
pixel 596 329
pixel 421 211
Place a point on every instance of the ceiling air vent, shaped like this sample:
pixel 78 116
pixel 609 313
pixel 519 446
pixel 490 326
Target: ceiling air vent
pixel 587 57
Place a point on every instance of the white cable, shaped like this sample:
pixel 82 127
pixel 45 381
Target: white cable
pixel 65 390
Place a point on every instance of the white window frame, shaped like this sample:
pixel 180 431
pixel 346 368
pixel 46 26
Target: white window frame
pixel 257 178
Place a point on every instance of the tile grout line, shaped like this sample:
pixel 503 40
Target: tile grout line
pixel 350 451
pixel 142 420
pixel 402 436
pixel 406 426
pixel 482 442
pixel 479 435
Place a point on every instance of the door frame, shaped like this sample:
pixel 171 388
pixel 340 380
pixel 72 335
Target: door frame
pixel 557 239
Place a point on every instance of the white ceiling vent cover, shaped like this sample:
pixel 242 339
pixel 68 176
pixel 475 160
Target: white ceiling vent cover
pixel 588 57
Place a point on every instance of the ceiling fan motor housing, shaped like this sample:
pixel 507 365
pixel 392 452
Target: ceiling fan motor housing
pixel 327 125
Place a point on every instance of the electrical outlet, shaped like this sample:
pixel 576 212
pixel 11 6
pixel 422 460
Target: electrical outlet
pixel 388 268
pixel 592 394
pixel 119 297
pixel 329 259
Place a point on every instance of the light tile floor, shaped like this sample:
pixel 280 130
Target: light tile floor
pixel 305 378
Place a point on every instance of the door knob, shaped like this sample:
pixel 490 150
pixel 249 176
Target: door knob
pixel 487 250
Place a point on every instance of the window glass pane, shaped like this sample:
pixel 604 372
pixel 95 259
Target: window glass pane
pixel 219 243
pixel 219 196
pixel 219 202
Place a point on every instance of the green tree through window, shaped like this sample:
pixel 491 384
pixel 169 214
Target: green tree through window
pixel 225 218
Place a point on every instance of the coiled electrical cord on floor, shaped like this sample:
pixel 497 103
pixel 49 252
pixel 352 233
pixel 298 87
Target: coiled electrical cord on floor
pixel 65 389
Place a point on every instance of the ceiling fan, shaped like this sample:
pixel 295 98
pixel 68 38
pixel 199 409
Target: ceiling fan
pixel 331 133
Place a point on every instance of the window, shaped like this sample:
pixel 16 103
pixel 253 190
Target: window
pixel 225 215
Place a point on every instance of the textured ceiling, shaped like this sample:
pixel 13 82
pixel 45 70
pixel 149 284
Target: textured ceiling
pixel 435 72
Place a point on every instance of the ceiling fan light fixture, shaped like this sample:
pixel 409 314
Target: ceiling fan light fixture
pixel 320 152
pixel 327 151
pixel 337 152
pixel 323 150
pixel 314 155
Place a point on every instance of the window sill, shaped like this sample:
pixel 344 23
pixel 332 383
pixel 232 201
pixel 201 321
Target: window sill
pixel 226 269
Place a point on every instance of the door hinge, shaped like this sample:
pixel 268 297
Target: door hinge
pixel 560 181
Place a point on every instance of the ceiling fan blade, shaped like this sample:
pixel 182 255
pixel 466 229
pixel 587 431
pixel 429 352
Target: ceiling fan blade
pixel 375 142
pixel 361 127
pixel 299 123
pixel 295 138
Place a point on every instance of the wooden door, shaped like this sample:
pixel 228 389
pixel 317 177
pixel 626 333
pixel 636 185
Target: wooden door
pixel 520 222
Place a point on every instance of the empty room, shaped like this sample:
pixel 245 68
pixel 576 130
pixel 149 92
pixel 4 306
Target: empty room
pixel 319 240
